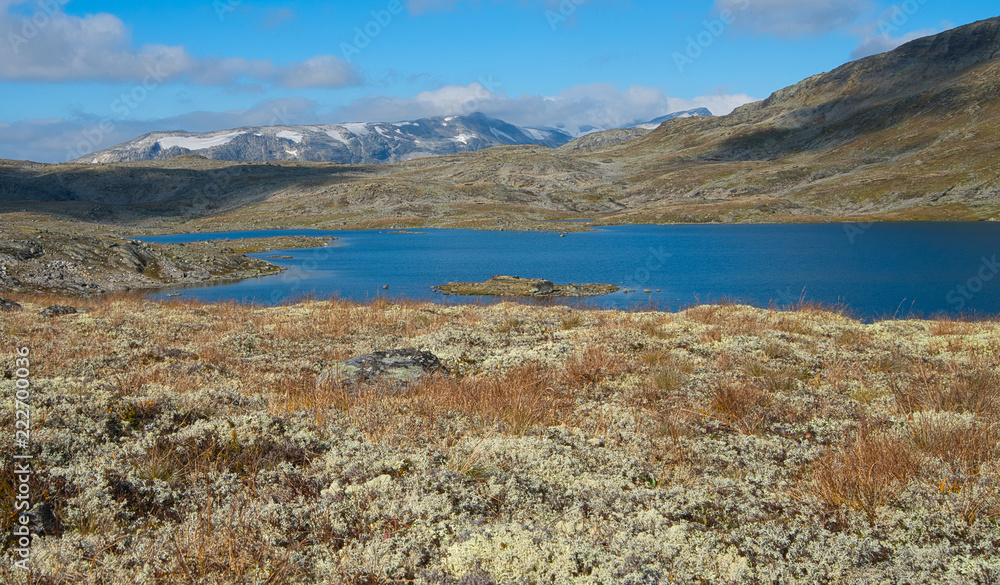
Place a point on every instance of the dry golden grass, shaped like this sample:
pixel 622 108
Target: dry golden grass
pixel 710 335
pixel 520 398
pixel 975 390
pixel 571 320
pixel 856 339
pixel 964 448
pixel 591 366
pixel 867 475
pixel 517 400
pixel 207 550
pixel 178 462
pixel 741 404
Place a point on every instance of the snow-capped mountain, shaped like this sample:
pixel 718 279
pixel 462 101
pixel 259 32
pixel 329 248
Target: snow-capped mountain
pixel 379 142
pixel 655 122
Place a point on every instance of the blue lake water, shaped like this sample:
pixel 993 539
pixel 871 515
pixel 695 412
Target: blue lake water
pixel 877 270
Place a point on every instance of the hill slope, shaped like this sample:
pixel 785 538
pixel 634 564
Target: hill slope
pixel 909 134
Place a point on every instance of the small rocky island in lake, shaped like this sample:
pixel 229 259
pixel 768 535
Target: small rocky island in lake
pixel 525 287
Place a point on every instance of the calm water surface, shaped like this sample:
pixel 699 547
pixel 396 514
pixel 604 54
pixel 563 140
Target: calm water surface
pixel 877 270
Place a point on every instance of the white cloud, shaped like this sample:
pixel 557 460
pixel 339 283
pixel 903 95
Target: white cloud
pixel 58 140
pixel 792 18
pixel 575 109
pixel 51 46
pixel 880 43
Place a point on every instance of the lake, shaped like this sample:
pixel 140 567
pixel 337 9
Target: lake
pixel 877 270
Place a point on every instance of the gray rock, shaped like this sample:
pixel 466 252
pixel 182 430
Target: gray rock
pixel 20 250
pixel 57 311
pixel 8 306
pixel 44 521
pixel 400 366
pixel 544 287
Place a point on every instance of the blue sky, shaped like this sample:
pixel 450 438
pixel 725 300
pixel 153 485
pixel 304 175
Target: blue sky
pixel 82 75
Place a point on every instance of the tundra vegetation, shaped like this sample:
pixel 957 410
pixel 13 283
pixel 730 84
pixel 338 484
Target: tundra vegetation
pixel 181 442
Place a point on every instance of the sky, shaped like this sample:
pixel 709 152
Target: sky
pixel 78 76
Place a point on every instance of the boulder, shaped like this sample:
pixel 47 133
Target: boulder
pixel 543 287
pixel 57 310
pixel 21 250
pixel 397 366
pixel 43 521
pixel 8 306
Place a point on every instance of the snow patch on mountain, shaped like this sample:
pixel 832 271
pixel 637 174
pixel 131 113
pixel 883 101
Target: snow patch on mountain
pixel 358 128
pixel 534 133
pixel 337 136
pixel 293 136
pixel 501 134
pixel 197 142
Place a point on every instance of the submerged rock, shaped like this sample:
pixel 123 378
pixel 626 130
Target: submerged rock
pixel 57 310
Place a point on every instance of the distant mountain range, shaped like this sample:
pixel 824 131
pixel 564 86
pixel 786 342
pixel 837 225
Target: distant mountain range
pixel 357 143
pixel 910 134
pixel 364 143
pixel 655 122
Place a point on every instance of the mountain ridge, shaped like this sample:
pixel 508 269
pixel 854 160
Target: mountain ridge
pixel 347 143
pixel 908 134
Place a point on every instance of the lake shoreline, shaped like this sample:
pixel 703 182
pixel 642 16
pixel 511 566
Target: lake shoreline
pixel 877 269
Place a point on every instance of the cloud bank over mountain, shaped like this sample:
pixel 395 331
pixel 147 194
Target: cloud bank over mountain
pixel 577 110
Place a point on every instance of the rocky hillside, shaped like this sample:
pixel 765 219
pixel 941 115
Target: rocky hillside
pixel 63 262
pixel 341 143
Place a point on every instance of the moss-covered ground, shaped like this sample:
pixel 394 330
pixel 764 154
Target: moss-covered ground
pixel 183 442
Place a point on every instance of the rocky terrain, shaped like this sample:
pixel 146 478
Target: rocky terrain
pixel 181 442
pixel 515 286
pixel 904 135
pixel 63 262
pixel 366 143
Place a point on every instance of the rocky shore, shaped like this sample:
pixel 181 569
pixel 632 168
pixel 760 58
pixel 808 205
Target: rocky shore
pixel 199 443
pixel 65 263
